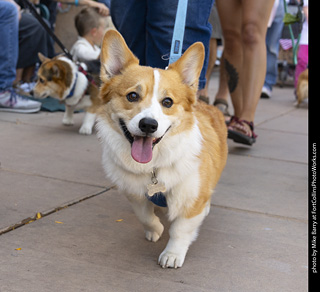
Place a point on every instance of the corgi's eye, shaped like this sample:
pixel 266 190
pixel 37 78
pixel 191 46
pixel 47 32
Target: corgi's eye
pixel 41 80
pixel 133 96
pixel 167 102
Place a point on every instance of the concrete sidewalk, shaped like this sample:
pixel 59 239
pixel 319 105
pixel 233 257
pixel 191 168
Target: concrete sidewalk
pixel 88 239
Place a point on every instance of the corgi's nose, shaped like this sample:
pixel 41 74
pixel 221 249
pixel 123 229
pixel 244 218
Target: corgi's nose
pixel 148 125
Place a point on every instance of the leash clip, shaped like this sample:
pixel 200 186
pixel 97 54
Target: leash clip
pixel 155 186
pixel 154 179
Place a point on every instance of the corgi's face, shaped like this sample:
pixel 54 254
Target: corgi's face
pixel 144 104
pixel 54 78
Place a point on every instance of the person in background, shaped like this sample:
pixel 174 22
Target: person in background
pixel 10 100
pixel 303 52
pixel 33 38
pixel 91 27
pixel 147 26
pixel 29 45
pixel 274 32
pixel 221 98
pixel 244 26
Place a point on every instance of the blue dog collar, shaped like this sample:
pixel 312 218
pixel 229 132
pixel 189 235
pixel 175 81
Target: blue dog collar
pixel 158 199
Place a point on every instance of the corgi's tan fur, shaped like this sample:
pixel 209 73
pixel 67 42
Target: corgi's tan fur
pixel 59 78
pixel 303 87
pixel 143 105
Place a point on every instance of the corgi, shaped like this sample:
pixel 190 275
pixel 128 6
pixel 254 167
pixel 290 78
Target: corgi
pixel 160 145
pixel 302 87
pixel 60 78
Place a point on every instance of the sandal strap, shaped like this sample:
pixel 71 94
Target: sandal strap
pixel 220 101
pixel 222 105
pixel 251 125
pixel 234 119
pixel 204 99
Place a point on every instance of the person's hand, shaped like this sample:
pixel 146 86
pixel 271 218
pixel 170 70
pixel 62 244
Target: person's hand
pixel 103 9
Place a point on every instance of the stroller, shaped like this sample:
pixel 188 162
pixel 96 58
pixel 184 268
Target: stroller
pixel 289 42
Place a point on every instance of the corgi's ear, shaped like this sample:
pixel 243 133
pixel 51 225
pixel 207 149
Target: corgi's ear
pixel 190 65
pixel 42 58
pixel 55 71
pixel 115 55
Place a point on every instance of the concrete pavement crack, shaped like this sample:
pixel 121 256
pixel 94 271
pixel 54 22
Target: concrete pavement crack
pixel 48 212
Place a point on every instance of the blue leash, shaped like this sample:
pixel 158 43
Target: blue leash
pixel 178 31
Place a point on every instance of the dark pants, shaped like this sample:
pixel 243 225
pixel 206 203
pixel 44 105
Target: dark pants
pixel 33 38
pixel 147 27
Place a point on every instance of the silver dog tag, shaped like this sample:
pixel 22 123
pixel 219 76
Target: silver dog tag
pixel 155 186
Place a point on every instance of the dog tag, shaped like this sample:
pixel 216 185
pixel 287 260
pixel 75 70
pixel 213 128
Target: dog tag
pixel 155 186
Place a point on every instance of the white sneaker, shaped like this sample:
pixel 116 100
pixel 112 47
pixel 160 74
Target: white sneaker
pixel 266 92
pixel 10 101
pixel 27 87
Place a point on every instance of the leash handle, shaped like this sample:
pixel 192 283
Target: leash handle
pixel 178 31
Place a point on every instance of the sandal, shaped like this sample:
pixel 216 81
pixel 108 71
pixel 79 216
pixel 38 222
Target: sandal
pixel 222 105
pixel 239 133
pixel 204 99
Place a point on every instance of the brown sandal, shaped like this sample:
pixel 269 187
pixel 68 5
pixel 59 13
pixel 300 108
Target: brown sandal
pixel 222 105
pixel 239 133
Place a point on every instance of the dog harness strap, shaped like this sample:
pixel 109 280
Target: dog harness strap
pixel 89 77
pixel 158 199
pixel 73 87
pixel 178 31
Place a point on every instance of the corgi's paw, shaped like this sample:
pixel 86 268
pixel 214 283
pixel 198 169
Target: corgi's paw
pixel 154 235
pixel 67 121
pixel 85 130
pixel 171 259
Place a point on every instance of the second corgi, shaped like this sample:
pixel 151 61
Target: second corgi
pixel 60 78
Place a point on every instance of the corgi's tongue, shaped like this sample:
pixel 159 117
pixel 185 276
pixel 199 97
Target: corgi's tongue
pixel 141 149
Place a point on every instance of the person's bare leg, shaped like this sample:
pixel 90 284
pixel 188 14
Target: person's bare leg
pixel 212 60
pixel 221 98
pixel 19 73
pixel 254 27
pixel 230 19
pixel 28 74
pixel 223 91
